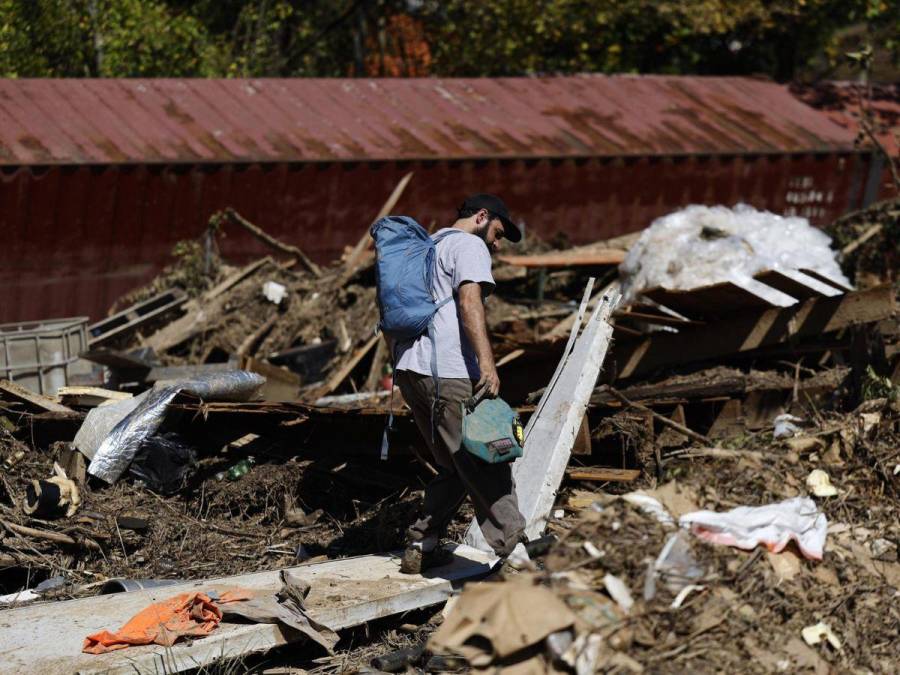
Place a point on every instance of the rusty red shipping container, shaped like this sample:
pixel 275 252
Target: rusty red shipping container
pixel 100 178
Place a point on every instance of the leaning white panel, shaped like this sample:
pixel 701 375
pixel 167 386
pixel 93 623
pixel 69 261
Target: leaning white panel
pixel 551 431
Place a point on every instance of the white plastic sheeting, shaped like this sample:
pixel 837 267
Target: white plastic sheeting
pixel 702 245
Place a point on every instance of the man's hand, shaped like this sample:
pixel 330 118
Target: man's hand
pixel 490 381
pixel 471 310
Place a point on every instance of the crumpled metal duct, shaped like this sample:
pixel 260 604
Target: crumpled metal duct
pixel 119 448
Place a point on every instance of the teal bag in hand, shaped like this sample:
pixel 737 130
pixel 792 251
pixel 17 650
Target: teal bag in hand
pixel 491 430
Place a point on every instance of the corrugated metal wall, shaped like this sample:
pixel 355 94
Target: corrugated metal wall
pixel 74 238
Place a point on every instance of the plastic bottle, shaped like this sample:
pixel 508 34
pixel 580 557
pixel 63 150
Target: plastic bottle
pixel 238 470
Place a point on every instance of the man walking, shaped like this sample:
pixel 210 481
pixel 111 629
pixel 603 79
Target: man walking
pixel 465 364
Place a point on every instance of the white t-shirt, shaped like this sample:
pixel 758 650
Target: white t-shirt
pixel 460 257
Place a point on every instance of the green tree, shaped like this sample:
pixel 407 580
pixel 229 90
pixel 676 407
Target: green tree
pixel 510 37
pixel 328 38
pixel 101 38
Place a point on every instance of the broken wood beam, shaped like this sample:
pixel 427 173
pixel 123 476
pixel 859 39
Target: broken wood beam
pixel 12 391
pixel 870 232
pixel 55 537
pixel 356 257
pixel 662 419
pixel 200 310
pixel 598 474
pixel 234 217
pixel 562 259
pixel 379 359
pixel 344 371
pixel 752 330
pixel 564 327
pixel 681 388
pixel 89 397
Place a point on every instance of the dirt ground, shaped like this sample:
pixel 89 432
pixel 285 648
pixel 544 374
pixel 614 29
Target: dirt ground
pixel 285 510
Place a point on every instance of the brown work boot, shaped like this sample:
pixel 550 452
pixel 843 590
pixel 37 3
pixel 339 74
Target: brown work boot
pixel 422 555
pixel 411 562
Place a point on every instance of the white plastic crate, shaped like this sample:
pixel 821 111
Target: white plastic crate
pixel 43 355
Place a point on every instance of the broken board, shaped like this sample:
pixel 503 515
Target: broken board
pixel 727 297
pixel 47 638
pixel 32 400
pixel 551 431
pixel 612 256
pixel 603 474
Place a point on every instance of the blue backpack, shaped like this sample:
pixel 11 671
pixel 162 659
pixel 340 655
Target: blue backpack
pixel 404 270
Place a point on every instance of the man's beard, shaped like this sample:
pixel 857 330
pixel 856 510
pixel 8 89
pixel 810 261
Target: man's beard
pixel 482 231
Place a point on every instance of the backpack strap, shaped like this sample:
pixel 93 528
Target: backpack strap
pixel 446 233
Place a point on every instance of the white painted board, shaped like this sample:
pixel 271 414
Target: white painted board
pixel 47 638
pixel 551 431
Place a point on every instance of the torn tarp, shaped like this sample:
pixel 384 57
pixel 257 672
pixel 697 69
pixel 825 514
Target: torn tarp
pixel 285 608
pixel 119 447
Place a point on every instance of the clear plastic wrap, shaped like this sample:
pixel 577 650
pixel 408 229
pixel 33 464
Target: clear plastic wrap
pixel 119 448
pixel 702 245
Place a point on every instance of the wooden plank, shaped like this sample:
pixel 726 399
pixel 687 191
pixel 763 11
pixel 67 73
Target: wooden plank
pixel 379 359
pixel 344 593
pixel 729 422
pixel 660 318
pixel 797 284
pixel 582 446
pixel 602 474
pixel 89 396
pixel 558 259
pixel 335 380
pixel 753 330
pixel 11 390
pixel 565 326
pixel 728 297
pixel 512 356
pixel 199 310
pixel 700 385
pixel 827 279
pixel 234 279
pixel 551 430
pixel 358 255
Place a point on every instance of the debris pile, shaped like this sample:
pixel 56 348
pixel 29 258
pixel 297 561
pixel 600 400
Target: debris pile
pixel 869 243
pixel 718 461
pixel 701 606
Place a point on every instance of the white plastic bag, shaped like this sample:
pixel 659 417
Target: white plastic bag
pixel 702 245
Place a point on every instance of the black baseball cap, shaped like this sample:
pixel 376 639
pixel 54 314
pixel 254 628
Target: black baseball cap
pixel 496 208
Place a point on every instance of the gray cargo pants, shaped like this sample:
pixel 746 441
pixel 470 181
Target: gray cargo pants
pixel 490 486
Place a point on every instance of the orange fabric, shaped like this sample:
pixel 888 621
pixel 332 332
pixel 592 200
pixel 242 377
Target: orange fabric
pixel 162 623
